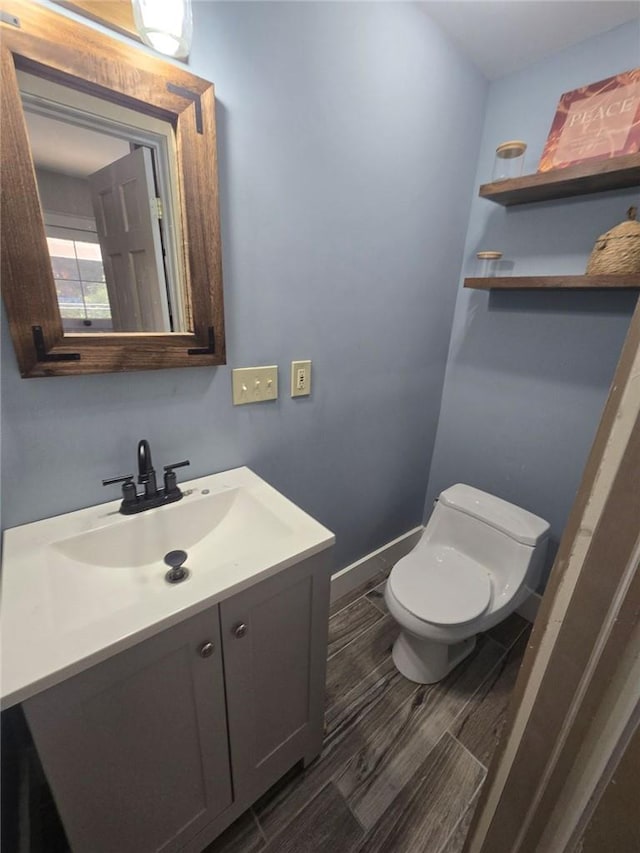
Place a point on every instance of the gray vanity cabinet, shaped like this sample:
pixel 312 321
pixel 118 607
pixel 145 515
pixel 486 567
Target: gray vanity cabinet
pixel 159 748
pixel 135 749
pixel 274 641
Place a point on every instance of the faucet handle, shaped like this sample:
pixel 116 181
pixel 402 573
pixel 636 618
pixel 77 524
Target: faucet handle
pixel 170 480
pixel 127 479
pixel 177 465
pixel 129 494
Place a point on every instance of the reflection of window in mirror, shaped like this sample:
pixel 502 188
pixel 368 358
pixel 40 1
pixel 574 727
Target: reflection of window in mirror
pixel 108 190
pixel 78 273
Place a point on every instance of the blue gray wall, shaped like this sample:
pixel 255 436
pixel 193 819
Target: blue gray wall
pixel 348 139
pixel 528 373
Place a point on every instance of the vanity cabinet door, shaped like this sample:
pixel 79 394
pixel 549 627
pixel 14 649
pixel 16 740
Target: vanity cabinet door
pixel 274 638
pixel 135 748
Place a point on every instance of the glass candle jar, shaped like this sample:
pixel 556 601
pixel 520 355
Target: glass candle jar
pixel 509 160
pixel 488 263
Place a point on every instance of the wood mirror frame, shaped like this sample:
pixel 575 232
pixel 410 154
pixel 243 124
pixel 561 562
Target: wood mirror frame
pixel 115 14
pixel 40 41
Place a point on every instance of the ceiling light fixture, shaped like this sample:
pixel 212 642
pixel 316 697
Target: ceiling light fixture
pixel 165 25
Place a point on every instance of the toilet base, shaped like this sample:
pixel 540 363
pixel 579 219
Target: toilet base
pixel 425 661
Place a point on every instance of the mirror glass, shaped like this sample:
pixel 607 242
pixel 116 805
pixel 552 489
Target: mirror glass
pixel 108 189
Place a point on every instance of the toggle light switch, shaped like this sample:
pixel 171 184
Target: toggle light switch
pixel 254 384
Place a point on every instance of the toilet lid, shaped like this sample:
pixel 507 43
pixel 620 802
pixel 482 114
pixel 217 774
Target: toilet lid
pixel 441 585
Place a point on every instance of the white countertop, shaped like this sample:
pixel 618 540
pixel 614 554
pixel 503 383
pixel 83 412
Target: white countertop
pixel 61 613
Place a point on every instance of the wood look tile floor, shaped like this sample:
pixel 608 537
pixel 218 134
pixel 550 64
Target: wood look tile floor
pixel 402 763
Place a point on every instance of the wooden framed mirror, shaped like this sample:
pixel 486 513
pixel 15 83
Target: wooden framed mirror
pixel 111 264
pixel 115 14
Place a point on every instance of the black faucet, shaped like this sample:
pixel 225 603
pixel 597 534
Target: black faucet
pixel 152 496
pixel 146 471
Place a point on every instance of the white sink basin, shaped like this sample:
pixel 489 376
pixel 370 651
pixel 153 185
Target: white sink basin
pixel 227 522
pixel 80 587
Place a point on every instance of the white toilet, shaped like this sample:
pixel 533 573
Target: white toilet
pixel 476 562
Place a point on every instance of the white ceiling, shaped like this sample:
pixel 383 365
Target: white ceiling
pixel 502 36
pixel 72 150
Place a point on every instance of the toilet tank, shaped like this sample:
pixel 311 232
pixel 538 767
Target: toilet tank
pixel 510 541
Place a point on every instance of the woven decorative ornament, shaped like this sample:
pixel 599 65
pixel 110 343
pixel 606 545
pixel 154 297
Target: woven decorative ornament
pixel 618 251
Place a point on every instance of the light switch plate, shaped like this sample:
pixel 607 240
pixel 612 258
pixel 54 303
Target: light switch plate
pixel 254 384
pixel 300 378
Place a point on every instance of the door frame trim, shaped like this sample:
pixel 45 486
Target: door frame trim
pixel 552 763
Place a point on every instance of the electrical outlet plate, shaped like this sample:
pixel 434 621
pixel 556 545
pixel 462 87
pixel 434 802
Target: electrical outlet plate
pixel 254 384
pixel 300 378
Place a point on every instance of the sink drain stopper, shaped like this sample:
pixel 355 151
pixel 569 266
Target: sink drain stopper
pixel 177 572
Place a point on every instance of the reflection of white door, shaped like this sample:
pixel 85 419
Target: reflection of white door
pixel 124 202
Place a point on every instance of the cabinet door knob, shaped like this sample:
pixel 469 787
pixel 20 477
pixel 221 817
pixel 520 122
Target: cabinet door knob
pixel 206 650
pixel 240 630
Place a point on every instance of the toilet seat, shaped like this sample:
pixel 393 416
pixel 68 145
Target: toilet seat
pixel 441 585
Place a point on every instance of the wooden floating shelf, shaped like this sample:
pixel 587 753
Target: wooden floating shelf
pixel 601 175
pixel 555 282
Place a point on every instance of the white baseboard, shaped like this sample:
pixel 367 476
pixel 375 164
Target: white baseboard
pixel 529 607
pixel 367 567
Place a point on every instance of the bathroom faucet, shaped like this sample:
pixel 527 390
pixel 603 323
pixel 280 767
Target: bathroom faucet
pixel 152 496
pixel 146 471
